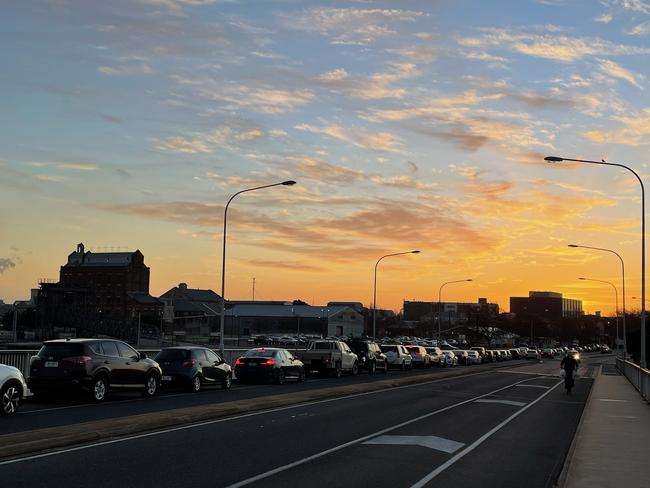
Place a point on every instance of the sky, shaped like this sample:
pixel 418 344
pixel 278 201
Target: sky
pixel 407 125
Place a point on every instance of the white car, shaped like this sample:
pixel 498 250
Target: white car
pixel 397 356
pixel 533 354
pixel 450 358
pixel 436 355
pixel 12 389
pixel 419 356
pixel 473 357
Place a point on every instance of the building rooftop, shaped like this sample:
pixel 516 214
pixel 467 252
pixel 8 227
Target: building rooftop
pixel 304 311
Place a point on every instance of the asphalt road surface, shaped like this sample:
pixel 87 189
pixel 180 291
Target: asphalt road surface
pixel 504 428
pixel 37 415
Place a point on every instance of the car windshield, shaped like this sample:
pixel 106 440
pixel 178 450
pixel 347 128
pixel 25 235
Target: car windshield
pixel 358 346
pixel 389 348
pixel 322 345
pixel 61 350
pixel 172 355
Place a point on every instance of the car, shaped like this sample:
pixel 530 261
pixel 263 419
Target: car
pixel 575 354
pixel 481 351
pixel 462 357
pixel 193 367
pixel 13 389
pixel 474 357
pixel 450 358
pixel 533 354
pixel 514 354
pixel 420 356
pixel 397 356
pixel 436 355
pixel 371 358
pixel 94 366
pixel 547 352
pixel 269 364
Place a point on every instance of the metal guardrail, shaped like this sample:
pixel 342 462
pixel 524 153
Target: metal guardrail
pixel 639 377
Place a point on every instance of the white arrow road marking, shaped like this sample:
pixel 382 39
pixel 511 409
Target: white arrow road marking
pixel 430 441
pixel 505 402
pixel 535 386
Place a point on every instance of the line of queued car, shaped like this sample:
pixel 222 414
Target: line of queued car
pixel 96 367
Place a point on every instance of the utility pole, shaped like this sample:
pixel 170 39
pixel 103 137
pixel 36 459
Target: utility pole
pixel 15 325
pixel 139 321
pixel 253 289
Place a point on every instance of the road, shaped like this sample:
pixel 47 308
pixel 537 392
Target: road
pixel 503 428
pixel 35 415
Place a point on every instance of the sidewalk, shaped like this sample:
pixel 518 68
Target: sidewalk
pixel 611 444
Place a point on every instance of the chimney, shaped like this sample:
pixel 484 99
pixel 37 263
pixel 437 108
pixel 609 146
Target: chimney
pixel 182 286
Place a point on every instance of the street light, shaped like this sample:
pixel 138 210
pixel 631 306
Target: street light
pixel 374 293
pixel 223 257
pixel 616 298
pixel 623 281
pixel 440 299
pixel 555 159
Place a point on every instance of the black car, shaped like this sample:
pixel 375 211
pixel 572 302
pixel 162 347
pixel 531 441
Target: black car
pixel 269 364
pixel 193 367
pixel 95 366
pixel 370 356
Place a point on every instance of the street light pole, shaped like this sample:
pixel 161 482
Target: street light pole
pixel 440 300
pixel 223 257
pixel 556 159
pixel 623 282
pixel 616 298
pixel 374 293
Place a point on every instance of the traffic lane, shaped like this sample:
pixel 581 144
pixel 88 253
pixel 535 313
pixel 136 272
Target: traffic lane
pixel 385 460
pixel 55 414
pixel 531 450
pixel 225 451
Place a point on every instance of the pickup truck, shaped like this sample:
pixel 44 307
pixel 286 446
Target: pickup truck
pixel 329 357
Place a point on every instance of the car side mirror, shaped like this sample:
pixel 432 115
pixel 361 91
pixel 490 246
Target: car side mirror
pixel 143 355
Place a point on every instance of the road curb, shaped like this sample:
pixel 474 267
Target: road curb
pixel 561 479
pixel 52 438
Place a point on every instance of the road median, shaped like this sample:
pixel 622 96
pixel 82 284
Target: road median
pixel 52 438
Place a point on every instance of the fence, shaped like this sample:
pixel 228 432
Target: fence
pixel 639 377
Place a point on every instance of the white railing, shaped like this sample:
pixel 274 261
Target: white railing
pixel 638 376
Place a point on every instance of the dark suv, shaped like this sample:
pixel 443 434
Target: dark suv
pixel 92 365
pixel 370 356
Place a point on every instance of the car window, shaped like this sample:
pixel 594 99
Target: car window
pixel 212 356
pixel 389 348
pixel 259 353
pixel 172 355
pixel 60 350
pixel 127 351
pixel 199 355
pixel 109 349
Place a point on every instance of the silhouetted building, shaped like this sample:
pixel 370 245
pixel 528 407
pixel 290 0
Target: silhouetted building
pixel 192 311
pixel 451 313
pixel 547 305
pixel 99 293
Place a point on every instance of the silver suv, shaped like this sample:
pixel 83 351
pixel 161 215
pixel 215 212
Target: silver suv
pixel 12 389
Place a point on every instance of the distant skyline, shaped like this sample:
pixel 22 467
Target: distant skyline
pixel 407 125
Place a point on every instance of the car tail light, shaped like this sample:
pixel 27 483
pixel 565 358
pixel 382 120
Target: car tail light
pixel 78 360
pixel 417 353
pixel 239 362
pixel 189 363
pixel 268 362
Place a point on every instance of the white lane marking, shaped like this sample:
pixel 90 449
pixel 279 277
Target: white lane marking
pixel 536 386
pixel 307 459
pixel 505 402
pixel 611 400
pixel 480 440
pixel 430 441
pixel 527 372
pixel 228 419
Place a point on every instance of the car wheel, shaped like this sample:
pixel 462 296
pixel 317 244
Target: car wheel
pixel 279 378
pixel 226 383
pixel 301 376
pixel 385 367
pixel 151 384
pixel 99 389
pixel 355 369
pixel 10 397
pixel 196 384
pixel 338 371
pixel 373 368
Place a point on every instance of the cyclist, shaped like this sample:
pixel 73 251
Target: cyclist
pixel 569 364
